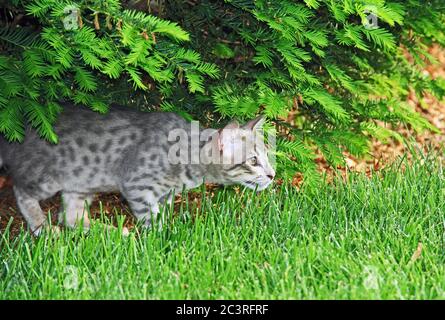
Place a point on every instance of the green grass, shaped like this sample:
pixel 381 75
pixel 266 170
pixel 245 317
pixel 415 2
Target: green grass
pixel 350 240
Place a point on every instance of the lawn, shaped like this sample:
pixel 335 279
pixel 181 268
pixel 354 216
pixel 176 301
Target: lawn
pixel 365 238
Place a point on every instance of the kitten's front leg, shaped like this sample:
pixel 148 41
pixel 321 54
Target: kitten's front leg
pixel 148 215
pixel 144 205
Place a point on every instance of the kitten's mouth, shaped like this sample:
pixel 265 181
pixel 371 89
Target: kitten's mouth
pixel 255 185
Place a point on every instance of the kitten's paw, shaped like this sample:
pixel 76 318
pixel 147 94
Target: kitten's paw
pixel 125 231
pixel 55 230
pixel 149 225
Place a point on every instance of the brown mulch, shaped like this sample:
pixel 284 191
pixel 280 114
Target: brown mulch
pixel 381 155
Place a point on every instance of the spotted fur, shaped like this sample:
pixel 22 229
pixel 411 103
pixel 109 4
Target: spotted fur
pixel 124 150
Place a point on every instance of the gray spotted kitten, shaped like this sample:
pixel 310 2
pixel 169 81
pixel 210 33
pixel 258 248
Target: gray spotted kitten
pixel 131 152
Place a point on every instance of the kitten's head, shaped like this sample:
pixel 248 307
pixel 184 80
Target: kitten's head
pixel 244 155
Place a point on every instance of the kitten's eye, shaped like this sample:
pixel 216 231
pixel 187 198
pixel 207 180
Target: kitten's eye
pixel 253 161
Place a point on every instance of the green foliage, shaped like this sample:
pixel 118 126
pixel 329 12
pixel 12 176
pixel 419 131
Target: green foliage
pixel 77 55
pixel 322 60
pixel 339 75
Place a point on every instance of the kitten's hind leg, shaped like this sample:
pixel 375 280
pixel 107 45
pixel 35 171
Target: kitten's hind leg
pixel 31 211
pixel 75 209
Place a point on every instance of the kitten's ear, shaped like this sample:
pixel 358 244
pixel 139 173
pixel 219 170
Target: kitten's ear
pixel 225 134
pixel 232 125
pixel 254 124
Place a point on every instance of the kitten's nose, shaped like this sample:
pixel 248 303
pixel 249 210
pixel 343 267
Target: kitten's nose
pixel 270 176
